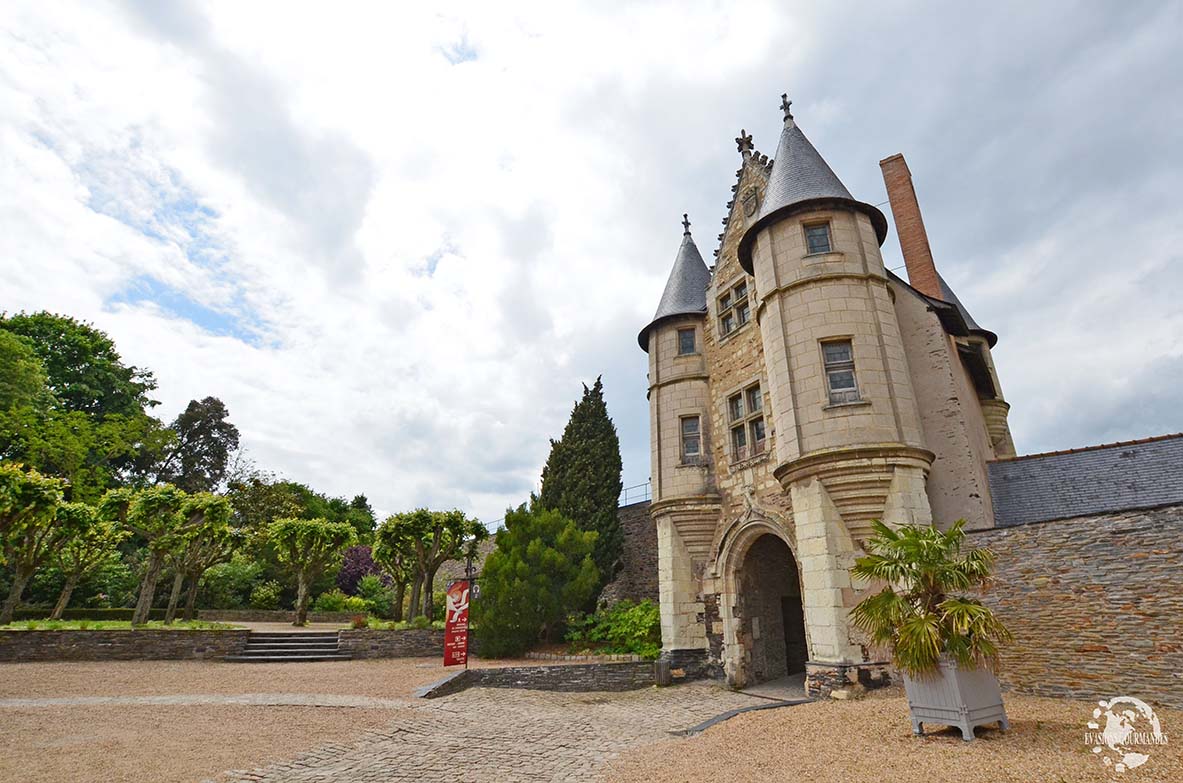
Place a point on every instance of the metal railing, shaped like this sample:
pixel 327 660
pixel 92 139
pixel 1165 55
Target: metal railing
pixel 635 494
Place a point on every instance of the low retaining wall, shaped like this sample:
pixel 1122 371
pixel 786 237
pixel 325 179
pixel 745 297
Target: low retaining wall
pixel 408 643
pixel 269 616
pixel 1095 605
pixel 581 678
pixel 119 645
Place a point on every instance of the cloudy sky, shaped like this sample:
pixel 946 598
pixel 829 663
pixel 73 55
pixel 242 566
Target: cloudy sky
pixel 395 240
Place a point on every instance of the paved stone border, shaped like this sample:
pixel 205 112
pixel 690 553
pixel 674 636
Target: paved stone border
pixel 729 714
pixel 128 645
pixel 578 678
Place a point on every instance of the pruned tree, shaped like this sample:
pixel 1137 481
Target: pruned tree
pixel 93 542
pixel 155 516
pixel 436 537
pixel 394 551
pixel 306 547
pixel 541 570
pixel 203 545
pixel 29 527
pixel 581 478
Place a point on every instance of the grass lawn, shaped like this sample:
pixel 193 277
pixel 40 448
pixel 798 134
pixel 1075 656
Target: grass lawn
pixel 113 625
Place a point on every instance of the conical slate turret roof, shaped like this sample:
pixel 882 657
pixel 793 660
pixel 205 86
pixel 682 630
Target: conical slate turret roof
pixel 800 179
pixel 970 324
pixel 686 290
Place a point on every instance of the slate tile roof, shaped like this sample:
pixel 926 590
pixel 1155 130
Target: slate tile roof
pixel 685 291
pixel 1078 482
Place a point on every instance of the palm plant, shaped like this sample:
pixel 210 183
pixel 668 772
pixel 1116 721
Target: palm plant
pixel 915 615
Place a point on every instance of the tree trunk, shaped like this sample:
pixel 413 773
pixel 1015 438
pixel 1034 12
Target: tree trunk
pixel 20 578
pixel 174 597
pixel 64 598
pixel 429 594
pixel 301 599
pixel 400 592
pixel 416 585
pixel 148 589
pixel 191 597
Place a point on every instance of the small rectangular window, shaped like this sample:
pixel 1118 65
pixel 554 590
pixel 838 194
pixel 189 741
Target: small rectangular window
pixel 755 399
pixel 734 308
pixel 739 442
pixel 756 427
pixel 691 440
pixel 817 238
pixel 735 407
pixel 838 358
pixel 686 342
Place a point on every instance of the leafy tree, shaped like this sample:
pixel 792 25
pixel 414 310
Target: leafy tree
pixel 436 537
pixel 307 547
pixel 30 528
pixel 85 372
pixel 541 570
pixel 92 544
pixel 394 550
pixel 357 562
pixel 196 459
pixel 22 376
pixel 229 585
pixel 922 621
pixel 207 543
pixel 581 479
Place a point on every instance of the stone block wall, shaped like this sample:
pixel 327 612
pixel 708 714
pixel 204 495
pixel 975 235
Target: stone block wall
pixel 614 677
pixel 637 579
pixel 1095 605
pixel 119 645
pixel 408 643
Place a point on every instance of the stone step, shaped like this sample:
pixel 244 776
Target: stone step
pixel 293 636
pixel 287 658
pixel 291 650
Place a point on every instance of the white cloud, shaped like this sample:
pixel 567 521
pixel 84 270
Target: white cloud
pixel 395 240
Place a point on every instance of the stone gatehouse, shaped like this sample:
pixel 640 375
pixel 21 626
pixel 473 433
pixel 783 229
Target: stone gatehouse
pixel 799 390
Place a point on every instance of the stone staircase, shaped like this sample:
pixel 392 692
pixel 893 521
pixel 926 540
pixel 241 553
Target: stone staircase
pixel 290 647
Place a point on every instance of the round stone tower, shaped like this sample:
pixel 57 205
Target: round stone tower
pixel 685 503
pixel 849 443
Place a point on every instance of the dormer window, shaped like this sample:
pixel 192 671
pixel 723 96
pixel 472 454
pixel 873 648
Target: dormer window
pixel 817 238
pixel 734 308
pixel 687 344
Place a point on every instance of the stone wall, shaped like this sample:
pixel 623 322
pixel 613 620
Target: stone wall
pixel 613 677
pixel 408 643
pixel 1095 605
pixel 119 645
pixel 637 579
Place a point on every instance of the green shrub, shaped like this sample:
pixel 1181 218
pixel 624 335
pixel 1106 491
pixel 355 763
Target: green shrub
pixel 625 628
pixel 266 595
pixel 378 597
pixel 336 601
pixel 419 622
pixel 229 585
pixel 359 621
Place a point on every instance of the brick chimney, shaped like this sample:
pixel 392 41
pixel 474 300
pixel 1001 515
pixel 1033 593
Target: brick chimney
pixel 909 225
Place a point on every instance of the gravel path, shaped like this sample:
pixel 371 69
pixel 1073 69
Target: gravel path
pixel 870 741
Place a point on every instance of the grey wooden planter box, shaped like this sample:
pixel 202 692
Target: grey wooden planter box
pixel 952 696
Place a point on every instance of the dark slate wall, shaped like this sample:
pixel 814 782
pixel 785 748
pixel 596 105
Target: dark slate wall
pixel 1139 474
pixel 637 579
pixel 1095 604
pixel 120 645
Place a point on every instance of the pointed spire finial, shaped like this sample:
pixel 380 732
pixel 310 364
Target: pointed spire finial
pixel 785 105
pixel 744 142
pixel 686 224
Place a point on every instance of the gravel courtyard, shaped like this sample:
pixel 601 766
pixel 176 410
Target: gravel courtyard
pixel 357 721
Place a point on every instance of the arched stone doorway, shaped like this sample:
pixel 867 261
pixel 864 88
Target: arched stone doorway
pixel 771 617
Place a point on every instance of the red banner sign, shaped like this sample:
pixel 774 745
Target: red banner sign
pixel 456 624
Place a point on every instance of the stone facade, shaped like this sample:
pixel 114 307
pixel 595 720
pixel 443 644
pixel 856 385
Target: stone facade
pixel 1094 605
pixel 131 645
pixel 637 580
pixel 783 453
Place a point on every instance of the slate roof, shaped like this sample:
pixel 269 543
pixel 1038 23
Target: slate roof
pixel 685 291
pixel 970 324
pixel 1082 482
pixel 800 178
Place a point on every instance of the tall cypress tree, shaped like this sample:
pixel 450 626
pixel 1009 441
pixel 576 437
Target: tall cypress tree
pixel 581 479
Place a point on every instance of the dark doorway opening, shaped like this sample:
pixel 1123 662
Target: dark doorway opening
pixel 772 619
